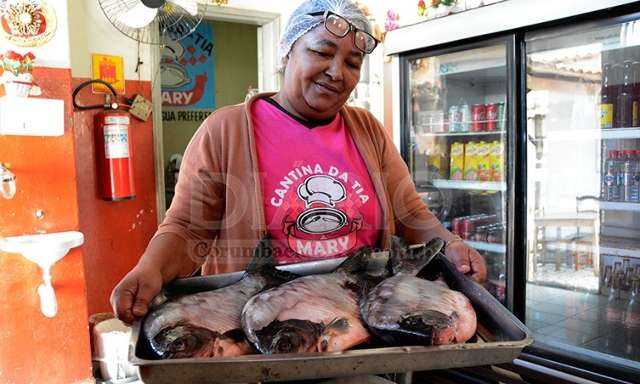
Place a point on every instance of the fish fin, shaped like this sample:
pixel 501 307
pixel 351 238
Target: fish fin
pixel 412 259
pixel 262 256
pixel 427 323
pixel 398 253
pixel 263 264
pixel 364 261
pixel 416 328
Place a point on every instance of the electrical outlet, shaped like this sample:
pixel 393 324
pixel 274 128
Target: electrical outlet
pixel 140 108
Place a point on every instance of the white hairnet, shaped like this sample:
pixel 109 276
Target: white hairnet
pixel 300 22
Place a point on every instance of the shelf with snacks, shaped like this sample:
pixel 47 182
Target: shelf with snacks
pixel 592 134
pixel 490 247
pixel 470 185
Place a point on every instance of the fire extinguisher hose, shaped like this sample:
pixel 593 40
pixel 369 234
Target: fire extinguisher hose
pixel 97 106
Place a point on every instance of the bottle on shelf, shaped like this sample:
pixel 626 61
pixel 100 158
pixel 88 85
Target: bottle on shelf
pixel 616 88
pixel 626 280
pixel 628 168
pixel 606 98
pixel 632 313
pixel 607 277
pixel 501 116
pixel 635 189
pixel 635 106
pixel 624 101
pixel 465 116
pixel 610 182
pixel 614 311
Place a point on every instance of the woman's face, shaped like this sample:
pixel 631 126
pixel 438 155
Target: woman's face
pixel 320 73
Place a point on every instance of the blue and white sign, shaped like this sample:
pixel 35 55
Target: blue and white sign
pixel 188 71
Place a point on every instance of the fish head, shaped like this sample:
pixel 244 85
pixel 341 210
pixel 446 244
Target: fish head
pixel 290 336
pixel 184 340
pixel 333 336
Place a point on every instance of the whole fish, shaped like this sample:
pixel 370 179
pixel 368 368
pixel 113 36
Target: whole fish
pixel 405 309
pixel 207 324
pixel 314 313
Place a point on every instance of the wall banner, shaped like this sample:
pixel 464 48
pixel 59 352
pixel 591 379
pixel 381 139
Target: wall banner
pixel 187 70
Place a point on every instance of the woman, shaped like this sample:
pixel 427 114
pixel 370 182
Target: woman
pixel 322 179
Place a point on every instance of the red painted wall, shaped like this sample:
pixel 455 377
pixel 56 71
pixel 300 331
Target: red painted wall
pixel 57 175
pixel 33 348
pixel 116 232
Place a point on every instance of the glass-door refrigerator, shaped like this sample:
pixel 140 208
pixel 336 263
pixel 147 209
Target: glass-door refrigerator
pixel 583 188
pixel 457 127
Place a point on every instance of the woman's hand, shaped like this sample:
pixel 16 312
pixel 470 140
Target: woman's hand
pixel 133 294
pixel 467 260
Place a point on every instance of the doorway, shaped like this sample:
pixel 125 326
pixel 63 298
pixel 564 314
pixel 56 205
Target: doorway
pixel 243 57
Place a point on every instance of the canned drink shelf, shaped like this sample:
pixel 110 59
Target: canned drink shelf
pixel 491 247
pixel 484 133
pixel 470 185
pixel 618 206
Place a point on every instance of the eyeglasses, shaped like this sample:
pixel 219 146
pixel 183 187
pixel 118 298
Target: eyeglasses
pixel 340 27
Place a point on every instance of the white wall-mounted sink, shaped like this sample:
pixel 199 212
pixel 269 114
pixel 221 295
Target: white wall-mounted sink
pixel 44 249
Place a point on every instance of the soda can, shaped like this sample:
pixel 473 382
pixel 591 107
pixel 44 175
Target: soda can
pixel 478 118
pixel 465 117
pixel 491 112
pixel 453 118
pixel 468 227
pixel 501 116
pixel 456 225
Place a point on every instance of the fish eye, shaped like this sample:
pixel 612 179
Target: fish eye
pixel 184 344
pixel 179 345
pixel 283 346
pixel 285 343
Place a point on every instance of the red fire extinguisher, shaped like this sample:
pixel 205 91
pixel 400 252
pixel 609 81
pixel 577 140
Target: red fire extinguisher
pixel 114 149
pixel 114 155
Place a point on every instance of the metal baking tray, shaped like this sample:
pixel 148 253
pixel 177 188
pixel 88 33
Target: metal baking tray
pixel 499 339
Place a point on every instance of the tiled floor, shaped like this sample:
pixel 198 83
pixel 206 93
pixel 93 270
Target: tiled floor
pixel 580 319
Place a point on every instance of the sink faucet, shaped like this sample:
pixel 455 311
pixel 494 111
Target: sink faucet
pixel 7 182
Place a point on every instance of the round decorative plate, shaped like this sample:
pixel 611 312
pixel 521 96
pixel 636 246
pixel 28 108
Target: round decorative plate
pixel 27 23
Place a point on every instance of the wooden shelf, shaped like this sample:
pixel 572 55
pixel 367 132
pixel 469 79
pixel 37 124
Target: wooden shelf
pixel 470 185
pixel 491 247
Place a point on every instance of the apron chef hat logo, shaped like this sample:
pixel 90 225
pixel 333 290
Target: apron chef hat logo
pixel 321 192
pixel 322 189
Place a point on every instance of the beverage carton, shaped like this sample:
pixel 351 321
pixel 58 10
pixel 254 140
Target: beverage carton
pixel 471 161
pixel 497 161
pixel 456 168
pixel 484 161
